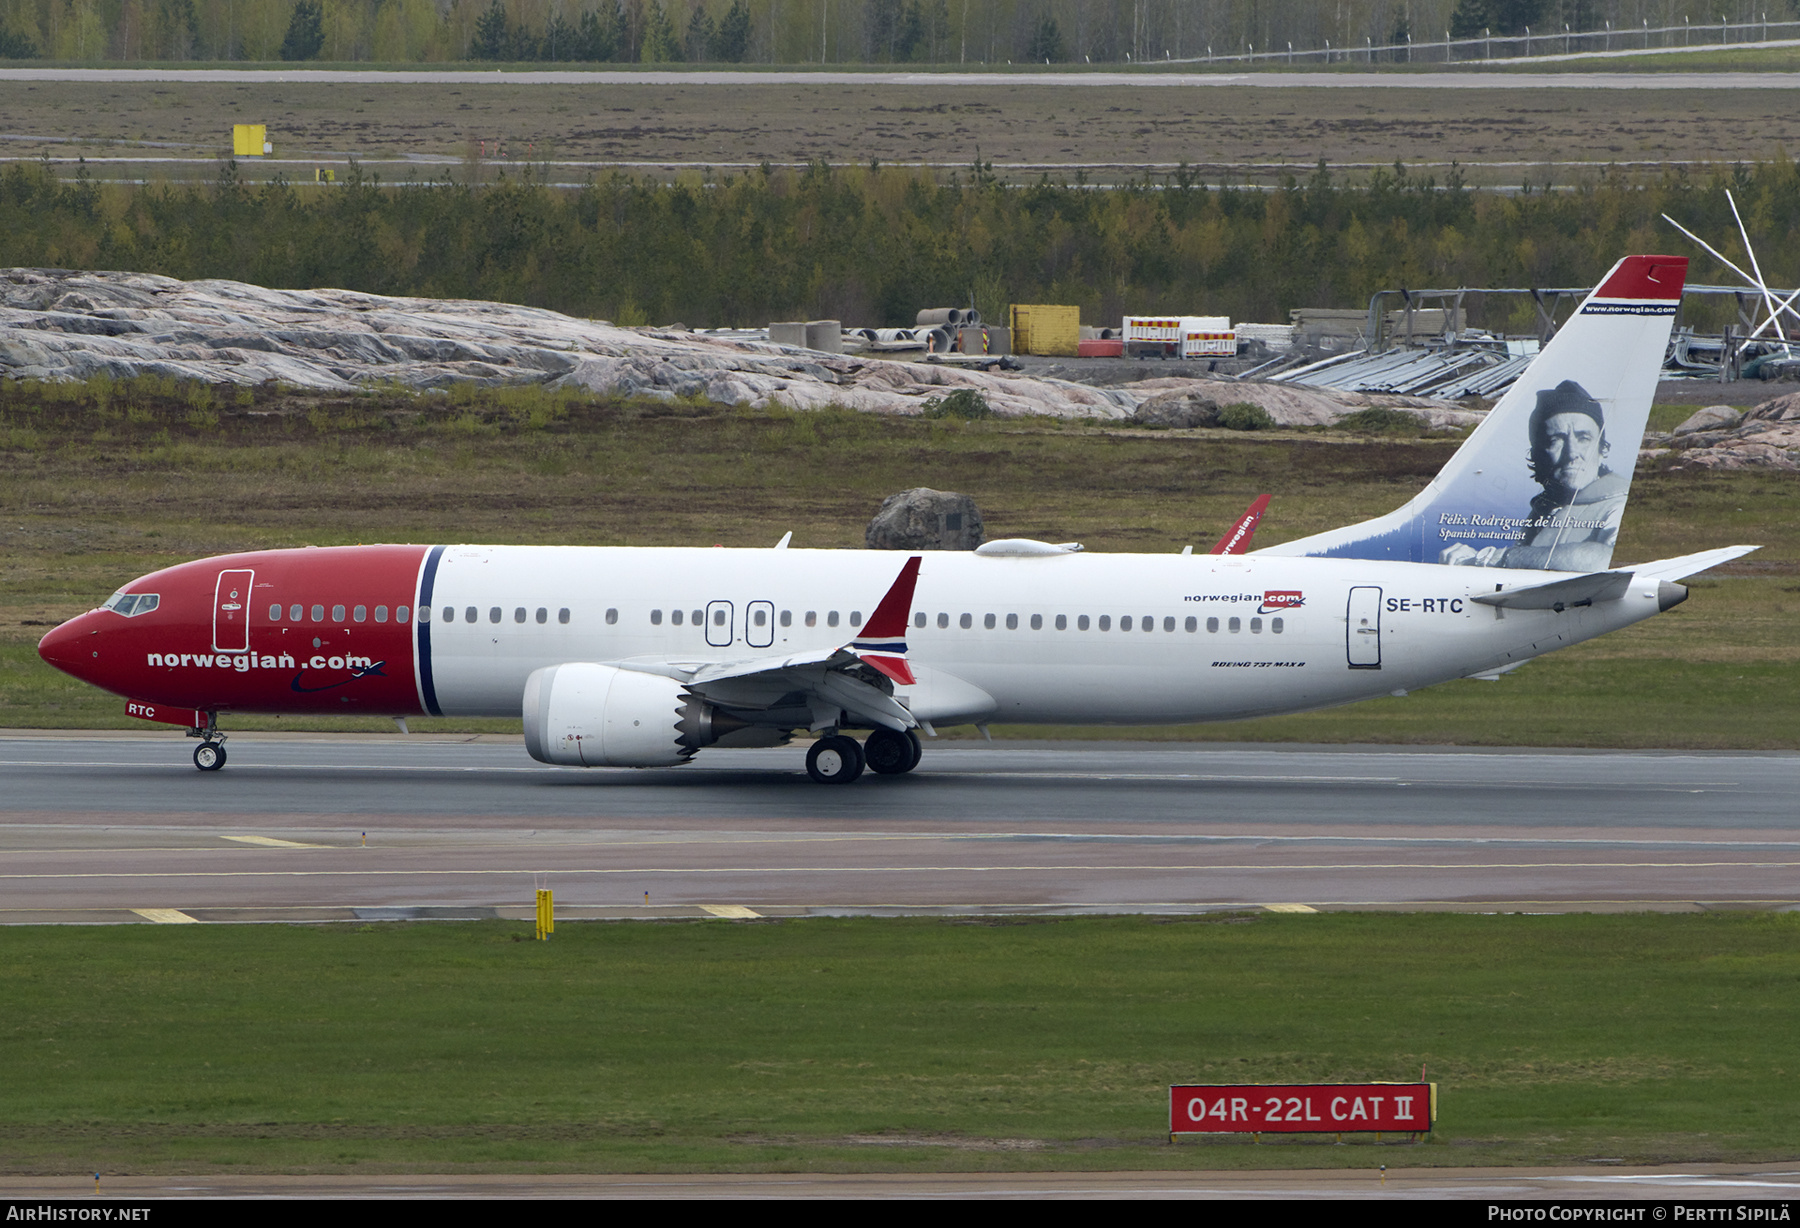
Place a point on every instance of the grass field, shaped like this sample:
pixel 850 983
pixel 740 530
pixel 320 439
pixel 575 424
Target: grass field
pixel 116 481
pixel 885 1045
pixel 1012 123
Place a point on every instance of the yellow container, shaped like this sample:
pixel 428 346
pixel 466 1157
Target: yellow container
pixel 250 140
pixel 1041 329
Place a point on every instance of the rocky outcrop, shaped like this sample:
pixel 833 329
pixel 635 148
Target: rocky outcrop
pixel 1177 409
pixel 926 519
pixel 62 325
pixel 1712 418
pixel 1768 437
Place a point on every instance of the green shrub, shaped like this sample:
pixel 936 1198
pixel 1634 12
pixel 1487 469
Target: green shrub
pixel 1380 421
pixel 1244 416
pixel 963 403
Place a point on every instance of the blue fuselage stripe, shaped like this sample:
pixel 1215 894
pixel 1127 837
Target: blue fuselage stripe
pixel 423 622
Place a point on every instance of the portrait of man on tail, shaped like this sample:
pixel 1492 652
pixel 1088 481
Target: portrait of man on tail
pixel 1573 523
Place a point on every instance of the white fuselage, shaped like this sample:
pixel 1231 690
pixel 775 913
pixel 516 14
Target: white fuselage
pixel 1142 639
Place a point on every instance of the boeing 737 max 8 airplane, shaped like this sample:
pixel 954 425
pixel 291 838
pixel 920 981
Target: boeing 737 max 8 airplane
pixel 642 657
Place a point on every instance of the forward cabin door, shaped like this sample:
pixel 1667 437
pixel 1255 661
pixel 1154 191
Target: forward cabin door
pixel 1364 630
pixel 719 624
pixel 231 611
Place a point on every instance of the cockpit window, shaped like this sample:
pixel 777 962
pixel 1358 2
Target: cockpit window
pixel 132 604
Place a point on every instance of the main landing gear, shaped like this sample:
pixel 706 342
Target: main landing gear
pixel 209 756
pixel 838 760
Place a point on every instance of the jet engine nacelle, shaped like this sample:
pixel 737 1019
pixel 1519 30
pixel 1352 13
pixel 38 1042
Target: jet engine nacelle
pixel 587 715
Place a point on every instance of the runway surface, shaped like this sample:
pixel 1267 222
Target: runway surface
pixel 297 828
pixel 1472 79
pixel 1739 1183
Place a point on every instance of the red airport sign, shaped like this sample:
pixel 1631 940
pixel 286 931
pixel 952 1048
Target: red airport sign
pixel 1302 1108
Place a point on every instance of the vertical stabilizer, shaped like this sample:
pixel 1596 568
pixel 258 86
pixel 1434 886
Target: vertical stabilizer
pixel 1541 483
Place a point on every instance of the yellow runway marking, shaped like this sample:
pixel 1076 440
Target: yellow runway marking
pixel 166 916
pixel 1289 908
pixel 272 843
pixel 735 912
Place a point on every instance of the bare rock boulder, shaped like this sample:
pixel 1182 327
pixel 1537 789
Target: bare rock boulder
pixel 1712 418
pixel 926 519
pixel 1781 409
pixel 1177 410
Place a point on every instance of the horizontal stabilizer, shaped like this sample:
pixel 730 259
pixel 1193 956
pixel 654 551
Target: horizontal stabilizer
pixel 1691 564
pixel 1562 594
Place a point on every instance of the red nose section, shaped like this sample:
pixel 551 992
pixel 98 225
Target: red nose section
pixel 71 649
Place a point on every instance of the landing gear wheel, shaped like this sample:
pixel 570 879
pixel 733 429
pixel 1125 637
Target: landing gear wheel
pixel 892 753
pixel 836 760
pixel 209 756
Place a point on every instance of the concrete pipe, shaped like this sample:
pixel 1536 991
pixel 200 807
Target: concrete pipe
pixel 826 336
pixel 935 317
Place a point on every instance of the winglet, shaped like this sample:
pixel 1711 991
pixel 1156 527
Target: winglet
pixel 1237 538
pixel 882 643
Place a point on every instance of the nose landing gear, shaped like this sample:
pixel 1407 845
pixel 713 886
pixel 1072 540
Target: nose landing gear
pixel 209 756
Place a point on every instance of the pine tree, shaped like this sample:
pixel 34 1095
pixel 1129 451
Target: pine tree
pixel 1047 42
pixel 732 42
pixel 493 37
pixel 599 34
pixel 700 35
pixel 561 39
pixel 305 33
pixel 661 45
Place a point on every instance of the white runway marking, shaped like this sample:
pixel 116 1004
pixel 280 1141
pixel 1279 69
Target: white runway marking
pixel 273 843
pixel 166 916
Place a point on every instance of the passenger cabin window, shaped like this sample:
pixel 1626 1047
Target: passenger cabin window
pixel 1275 625
pixel 919 619
pixel 612 616
pixel 1106 622
pixel 1149 622
pixel 424 614
pixel 380 613
pixel 360 614
pixel 812 618
pixel 494 614
pixel 760 618
pixel 402 612
pixel 1124 623
pixel 543 616
pixel 675 617
pixel 987 621
pixel 966 621
pixel 1169 623
pixel 1236 625
pixel 470 614
pixel 699 618
pixel 337 613
pixel 856 618
pixel 943 620
pixel 787 618
pixel 831 619
pixel 1037 622
pixel 318 613
pixel 1081 623
pixel 1193 624
pixel 1062 622
pixel 275 613
pixel 1256 626
pixel 719 618
pixel 295 613
pixel 562 615
pixel 656 618
pixel 519 615
pixel 449 615
pixel 1012 622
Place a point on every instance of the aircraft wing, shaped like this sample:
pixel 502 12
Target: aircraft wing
pixel 856 678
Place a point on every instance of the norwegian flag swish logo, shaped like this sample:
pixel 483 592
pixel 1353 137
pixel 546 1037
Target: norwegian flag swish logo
pixel 1274 600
